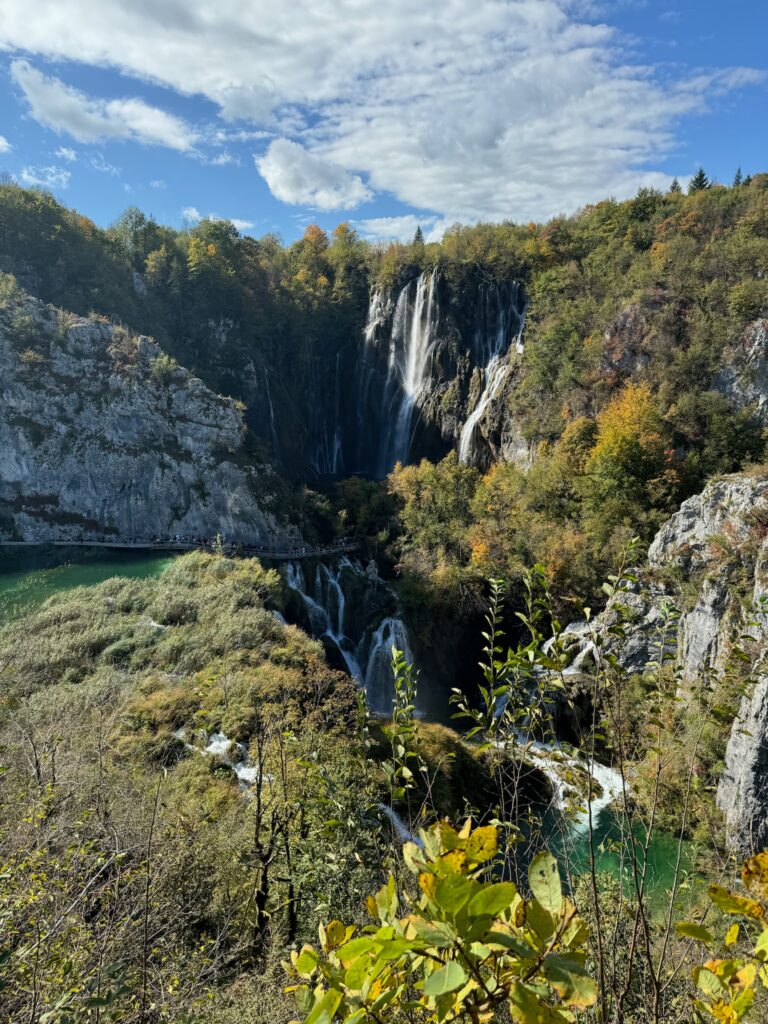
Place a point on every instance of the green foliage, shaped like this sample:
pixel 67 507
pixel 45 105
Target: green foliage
pixel 463 946
pixel 728 984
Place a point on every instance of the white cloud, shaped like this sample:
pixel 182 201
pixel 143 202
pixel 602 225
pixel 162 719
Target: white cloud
pixel 223 159
pixel 157 183
pixel 399 229
pixel 98 163
pixel 472 109
pixel 5 146
pixel 58 106
pixel 65 153
pixel 191 215
pixel 299 177
pixel 45 177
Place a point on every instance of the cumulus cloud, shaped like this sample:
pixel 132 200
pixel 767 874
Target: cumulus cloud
pixel 5 146
pixel 157 183
pixel 65 153
pixel 242 225
pixel 191 214
pixel 472 109
pixel 297 176
pixel 398 229
pixel 45 177
pixel 64 109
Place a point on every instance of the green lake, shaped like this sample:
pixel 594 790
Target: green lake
pixel 31 574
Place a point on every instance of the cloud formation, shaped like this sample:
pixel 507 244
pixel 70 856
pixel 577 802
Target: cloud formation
pixel 45 177
pixel 398 229
pixel 297 176
pixel 5 146
pixel 472 109
pixel 58 106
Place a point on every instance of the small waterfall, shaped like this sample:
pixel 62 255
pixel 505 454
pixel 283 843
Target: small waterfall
pixel 378 670
pixel 272 429
pixel 368 655
pixel 494 345
pixel 399 827
pixel 554 761
pixel 328 460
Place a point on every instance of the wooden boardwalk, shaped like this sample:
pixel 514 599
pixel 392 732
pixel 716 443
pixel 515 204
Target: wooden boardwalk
pixel 301 551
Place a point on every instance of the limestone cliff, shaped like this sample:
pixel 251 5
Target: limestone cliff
pixel 101 434
pixel 710 562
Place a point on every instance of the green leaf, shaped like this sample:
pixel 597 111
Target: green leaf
pixel 691 930
pixel 453 892
pixel 571 982
pixel 353 949
pixel 446 979
pixel 325 1009
pixel 544 880
pixel 306 961
pixel 709 983
pixel 492 899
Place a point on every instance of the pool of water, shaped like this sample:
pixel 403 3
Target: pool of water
pixel 30 575
pixel 612 839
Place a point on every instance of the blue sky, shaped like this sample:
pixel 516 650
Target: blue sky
pixel 386 115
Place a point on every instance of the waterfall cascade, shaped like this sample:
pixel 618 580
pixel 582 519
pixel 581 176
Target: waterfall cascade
pixel 328 459
pixel 401 383
pixel 498 319
pixel 367 654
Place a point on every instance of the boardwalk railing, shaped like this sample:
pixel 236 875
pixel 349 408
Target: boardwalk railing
pixel 256 550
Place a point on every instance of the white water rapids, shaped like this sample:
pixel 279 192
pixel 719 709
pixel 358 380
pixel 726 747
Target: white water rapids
pixel 368 657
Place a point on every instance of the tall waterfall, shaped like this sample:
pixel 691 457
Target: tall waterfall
pixel 367 653
pixel 408 354
pixel 327 459
pixel 494 345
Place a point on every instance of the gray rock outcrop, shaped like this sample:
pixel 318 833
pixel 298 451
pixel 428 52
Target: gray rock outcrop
pixel 743 378
pixel 103 435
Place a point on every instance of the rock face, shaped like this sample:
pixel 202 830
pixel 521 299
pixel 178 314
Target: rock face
pixel 744 376
pixel 710 562
pixel 101 434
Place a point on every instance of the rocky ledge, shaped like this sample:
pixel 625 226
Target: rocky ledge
pixel 103 436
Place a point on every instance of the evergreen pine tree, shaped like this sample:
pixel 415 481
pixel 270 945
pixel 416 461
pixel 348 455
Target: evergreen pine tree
pixel 738 178
pixel 698 182
pixel 418 238
pixel 675 187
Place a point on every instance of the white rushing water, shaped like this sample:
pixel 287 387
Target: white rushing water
pixel 328 459
pixel 368 657
pixel 408 351
pixel 235 755
pixel 495 365
pixel 555 762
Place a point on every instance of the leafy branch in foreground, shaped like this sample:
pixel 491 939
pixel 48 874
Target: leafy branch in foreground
pixel 468 945
pixel 728 983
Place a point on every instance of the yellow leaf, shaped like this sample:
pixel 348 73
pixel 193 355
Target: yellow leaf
pixel 754 874
pixel 483 844
pixel 732 935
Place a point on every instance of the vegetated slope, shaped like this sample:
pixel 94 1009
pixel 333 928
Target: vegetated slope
pixel 103 436
pixel 187 785
pixel 657 290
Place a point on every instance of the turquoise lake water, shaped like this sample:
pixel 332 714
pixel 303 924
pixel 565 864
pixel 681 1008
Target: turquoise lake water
pixel 30 575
